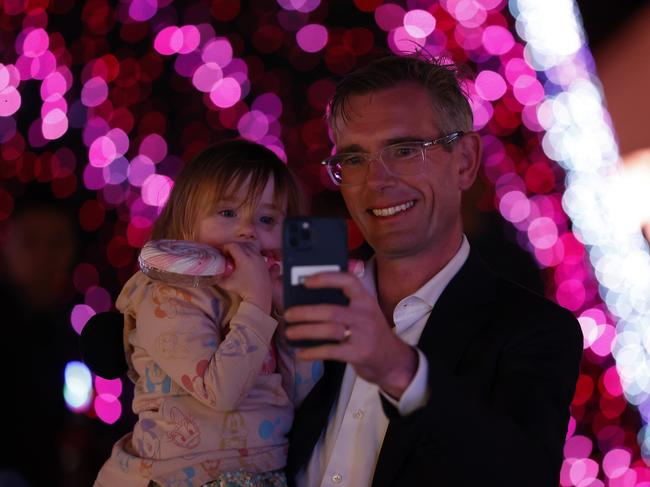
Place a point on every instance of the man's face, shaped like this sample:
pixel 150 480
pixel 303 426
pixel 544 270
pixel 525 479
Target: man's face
pixel 425 208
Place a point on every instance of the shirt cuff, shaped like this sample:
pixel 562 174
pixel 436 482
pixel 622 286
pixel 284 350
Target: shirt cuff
pixel 416 394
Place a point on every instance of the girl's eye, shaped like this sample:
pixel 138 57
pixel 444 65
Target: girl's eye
pixel 268 220
pixel 228 213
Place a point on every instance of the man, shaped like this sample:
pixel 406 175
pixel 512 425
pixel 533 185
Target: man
pixel 444 373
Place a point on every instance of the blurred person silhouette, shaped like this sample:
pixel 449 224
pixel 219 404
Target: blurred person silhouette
pixel 38 252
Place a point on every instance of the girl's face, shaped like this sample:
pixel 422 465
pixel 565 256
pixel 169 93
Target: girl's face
pixel 235 220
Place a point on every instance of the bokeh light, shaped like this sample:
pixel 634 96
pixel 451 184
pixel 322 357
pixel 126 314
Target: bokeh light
pixel 77 389
pixel 109 117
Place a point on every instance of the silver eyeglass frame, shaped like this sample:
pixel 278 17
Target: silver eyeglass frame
pixel 376 156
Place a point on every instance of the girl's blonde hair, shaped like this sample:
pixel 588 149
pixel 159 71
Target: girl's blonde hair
pixel 215 173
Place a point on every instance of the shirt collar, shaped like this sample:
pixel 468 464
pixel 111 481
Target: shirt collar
pixel 432 289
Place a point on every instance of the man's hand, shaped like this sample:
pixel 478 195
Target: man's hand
pixel 366 340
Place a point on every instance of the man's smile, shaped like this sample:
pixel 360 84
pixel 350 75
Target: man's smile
pixel 392 210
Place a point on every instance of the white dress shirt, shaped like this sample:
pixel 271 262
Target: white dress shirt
pixel 347 451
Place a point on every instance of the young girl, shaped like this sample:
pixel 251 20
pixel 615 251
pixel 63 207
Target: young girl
pixel 213 392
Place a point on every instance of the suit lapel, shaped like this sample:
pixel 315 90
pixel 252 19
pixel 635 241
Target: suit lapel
pixel 455 318
pixel 311 417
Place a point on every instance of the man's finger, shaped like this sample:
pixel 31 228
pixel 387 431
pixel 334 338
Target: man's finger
pixel 316 331
pixel 341 352
pixel 315 312
pixel 348 283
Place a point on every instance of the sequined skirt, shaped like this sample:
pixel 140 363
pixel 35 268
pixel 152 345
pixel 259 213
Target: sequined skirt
pixel 246 479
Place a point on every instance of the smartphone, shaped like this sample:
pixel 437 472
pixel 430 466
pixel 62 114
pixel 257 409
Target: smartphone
pixel 311 245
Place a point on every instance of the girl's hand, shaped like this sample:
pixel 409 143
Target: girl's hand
pixel 277 288
pixel 250 279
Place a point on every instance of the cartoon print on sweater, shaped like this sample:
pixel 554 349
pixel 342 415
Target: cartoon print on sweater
pixel 168 300
pixel 156 379
pixel 274 430
pixel 269 366
pixel 234 347
pixel 196 384
pixel 173 345
pixel 186 433
pixel 147 444
pixel 182 478
pixel 123 459
pixel 234 434
pixel 211 467
pixel 145 468
pixel 306 383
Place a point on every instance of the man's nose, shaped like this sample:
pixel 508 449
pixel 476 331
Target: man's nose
pixel 378 174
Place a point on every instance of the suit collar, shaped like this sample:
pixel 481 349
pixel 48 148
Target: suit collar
pixel 456 317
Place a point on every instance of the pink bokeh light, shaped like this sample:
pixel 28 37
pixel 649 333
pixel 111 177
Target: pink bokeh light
pixel 312 37
pixel 140 169
pixel 98 299
pixel 253 125
pixel 55 124
pixel 571 294
pixel 9 101
pixel 514 206
pixel 497 40
pixel 401 42
pixel 389 16
pixel 217 51
pixel 108 408
pixel 528 90
pixel 542 232
pixel 490 85
pixel 156 189
pixel 80 315
pixel 226 92
pixel 154 147
pixel 168 41
pixel 102 152
pixel 94 92
pixel 111 387
pixel 469 13
pixel 42 66
pixel 419 23
pixel 207 76
pixel 53 87
pixel 35 43
pixel 191 39
pixel 142 10
pixel 4 77
pixel 270 104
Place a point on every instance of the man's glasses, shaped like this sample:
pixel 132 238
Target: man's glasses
pixel 401 159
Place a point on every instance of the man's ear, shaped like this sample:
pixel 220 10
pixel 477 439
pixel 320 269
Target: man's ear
pixel 469 152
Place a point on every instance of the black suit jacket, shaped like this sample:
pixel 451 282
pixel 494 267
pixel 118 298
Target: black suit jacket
pixel 503 364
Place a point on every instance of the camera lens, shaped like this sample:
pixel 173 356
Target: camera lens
pixel 305 234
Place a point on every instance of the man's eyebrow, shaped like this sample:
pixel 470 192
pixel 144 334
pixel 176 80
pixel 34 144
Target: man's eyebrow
pixel 391 141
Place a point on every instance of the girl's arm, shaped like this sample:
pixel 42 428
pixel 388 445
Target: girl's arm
pixel 180 329
pixel 298 376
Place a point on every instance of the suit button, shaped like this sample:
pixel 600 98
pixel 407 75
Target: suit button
pixel 337 478
pixel 358 414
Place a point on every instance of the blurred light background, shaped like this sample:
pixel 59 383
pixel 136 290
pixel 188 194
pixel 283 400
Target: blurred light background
pixel 101 102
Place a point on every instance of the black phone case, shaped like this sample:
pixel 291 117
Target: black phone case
pixel 311 245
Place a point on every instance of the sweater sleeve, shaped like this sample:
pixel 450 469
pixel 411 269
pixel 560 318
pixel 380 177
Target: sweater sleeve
pixel 298 376
pixel 180 329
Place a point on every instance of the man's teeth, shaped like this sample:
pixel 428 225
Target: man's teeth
pixel 393 209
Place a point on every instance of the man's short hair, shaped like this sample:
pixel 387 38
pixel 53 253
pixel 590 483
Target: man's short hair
pixel 439 77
